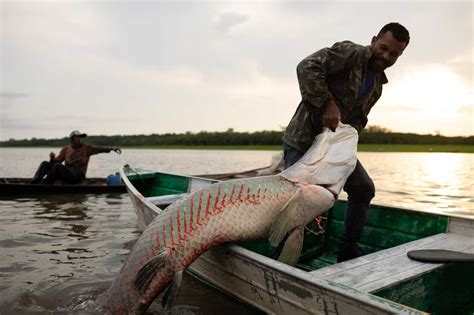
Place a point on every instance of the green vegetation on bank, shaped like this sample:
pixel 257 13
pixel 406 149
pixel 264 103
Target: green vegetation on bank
pixel 372 139
pixel 361 148
pixel 415 148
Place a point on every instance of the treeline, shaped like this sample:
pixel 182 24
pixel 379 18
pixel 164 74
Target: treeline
pixel 378 135
pixel 372 135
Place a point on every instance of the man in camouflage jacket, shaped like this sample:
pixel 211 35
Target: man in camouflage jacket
pixel 341 84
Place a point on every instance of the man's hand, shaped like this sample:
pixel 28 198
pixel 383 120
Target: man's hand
pixel 117 150
pixel 331 115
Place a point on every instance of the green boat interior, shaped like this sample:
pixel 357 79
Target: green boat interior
pixel 388 234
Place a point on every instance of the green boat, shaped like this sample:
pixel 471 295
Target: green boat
pixel 23 187
pixel 385 281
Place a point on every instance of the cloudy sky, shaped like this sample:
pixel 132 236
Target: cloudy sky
pixel 141 67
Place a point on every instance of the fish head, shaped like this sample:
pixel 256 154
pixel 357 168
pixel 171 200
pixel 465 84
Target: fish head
pixel 329 161
pixel 317 199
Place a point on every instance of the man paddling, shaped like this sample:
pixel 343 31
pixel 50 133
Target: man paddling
pixel 76 159
pixel 341 84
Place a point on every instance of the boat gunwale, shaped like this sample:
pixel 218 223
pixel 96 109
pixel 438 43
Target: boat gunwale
pixel 334 287
pixel 21 186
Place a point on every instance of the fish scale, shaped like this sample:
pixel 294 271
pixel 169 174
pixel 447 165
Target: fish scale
pixel 230 210
pixel 243 209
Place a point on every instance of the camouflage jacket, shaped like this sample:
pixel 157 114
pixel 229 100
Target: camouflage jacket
pixel 339 73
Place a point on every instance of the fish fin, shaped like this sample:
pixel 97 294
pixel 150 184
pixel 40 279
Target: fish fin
pixel 146 273
pixel 275 251
pixel 292 249
pixel 172 291
pixel 282 224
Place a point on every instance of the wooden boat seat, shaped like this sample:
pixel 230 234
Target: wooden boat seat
pixel 373 272
pixel 165 199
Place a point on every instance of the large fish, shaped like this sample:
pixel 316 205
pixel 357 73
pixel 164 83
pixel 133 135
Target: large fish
pixel 277 207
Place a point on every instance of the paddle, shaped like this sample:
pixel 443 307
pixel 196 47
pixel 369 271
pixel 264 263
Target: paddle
pixel 440 256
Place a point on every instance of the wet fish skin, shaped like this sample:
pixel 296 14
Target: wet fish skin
pixel 226 211
pixel 243 209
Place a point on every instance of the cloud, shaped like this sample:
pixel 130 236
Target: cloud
pixel 467 110
pixel 8 123
pixel 429 87
pixel 8 99
pixel 229 21
pixel 396 109
pixel 161 66
pixel 12 95
pixel 463 64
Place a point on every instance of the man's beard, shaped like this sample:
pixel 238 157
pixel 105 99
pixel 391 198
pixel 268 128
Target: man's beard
pixel 377 65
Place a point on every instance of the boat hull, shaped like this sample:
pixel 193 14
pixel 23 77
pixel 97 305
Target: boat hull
pixel 22 186
pixel 277 288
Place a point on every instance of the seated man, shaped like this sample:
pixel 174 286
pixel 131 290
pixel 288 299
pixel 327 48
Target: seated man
pixel 76 158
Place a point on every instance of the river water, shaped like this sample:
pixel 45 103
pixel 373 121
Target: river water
pixel 58 253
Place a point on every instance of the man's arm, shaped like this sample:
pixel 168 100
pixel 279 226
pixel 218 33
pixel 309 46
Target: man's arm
pixel 331 115
pixel 95 149
pixel 60 157
pixel 312 77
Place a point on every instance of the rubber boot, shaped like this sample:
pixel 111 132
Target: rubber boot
pixel 356 214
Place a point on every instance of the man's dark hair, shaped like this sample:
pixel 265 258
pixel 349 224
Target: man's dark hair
pixel 399 32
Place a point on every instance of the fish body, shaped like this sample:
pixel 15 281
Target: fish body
pixel 277 207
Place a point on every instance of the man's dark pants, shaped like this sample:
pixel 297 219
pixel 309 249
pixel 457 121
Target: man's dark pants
pixel 57 171
pixel 360 190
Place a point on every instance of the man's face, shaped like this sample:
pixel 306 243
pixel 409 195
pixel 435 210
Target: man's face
pixel 76 140
pixel 385 51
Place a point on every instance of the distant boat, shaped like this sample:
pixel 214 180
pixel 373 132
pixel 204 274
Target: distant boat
pixel 385 281
pixel 22 186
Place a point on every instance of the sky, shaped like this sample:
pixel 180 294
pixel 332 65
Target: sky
pixel 142 67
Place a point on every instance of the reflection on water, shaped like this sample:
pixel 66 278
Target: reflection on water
pixel 65 208
pixel 14 163
pixel 57 246
pixel 435 182
pixel 60 252
pixel 440 182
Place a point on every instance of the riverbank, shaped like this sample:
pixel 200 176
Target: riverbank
pixel 447 148
pixel 361 148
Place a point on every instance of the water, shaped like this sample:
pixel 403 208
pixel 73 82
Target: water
pixel 60 252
